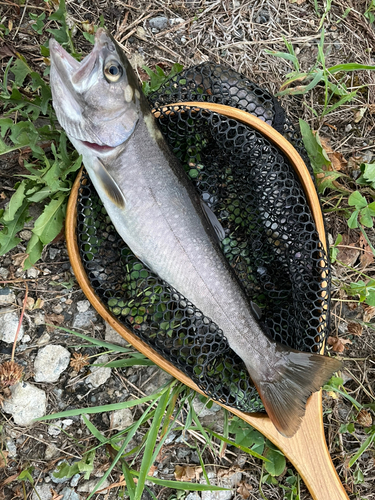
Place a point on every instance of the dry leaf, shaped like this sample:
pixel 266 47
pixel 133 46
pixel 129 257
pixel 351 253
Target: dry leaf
pixel 348 251
pixel 367 256
pixel 371 109
pixel 368 312
pixel 338 162
pixel 355 329
pixel 244 490
pixel 39 303
pixel 3 458
pixel 359 115
pixel 19 259
pixel 55 495
pixel 298 2
pixel 55 319
pixel 30 303
pixel 186 472
pixel 338 344
pixel 364 418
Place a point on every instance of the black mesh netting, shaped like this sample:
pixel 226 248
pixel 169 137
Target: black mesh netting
pixel 270 238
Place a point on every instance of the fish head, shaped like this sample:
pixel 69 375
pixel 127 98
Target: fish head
pixel 98 101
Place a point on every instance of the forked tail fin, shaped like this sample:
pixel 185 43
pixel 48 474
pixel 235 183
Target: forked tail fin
pixel 284 392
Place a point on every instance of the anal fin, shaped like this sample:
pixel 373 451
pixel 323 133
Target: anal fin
pixel 109 185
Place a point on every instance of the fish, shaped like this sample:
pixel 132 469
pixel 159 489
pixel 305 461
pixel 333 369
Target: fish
pixel 160 216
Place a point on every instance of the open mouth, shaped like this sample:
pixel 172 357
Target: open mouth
pixel 97 147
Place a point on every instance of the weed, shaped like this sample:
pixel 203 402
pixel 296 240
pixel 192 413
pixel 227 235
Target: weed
pixel 318 74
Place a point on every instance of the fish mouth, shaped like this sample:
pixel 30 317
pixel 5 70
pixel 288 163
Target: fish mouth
pixel 99 148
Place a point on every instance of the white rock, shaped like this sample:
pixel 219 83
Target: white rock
pixel 51 451
pixel 193 496
pixel 113 337
pixel 43 492
pixel 67 422
pixel 4 273
pixel 53 252
pixel 26 339
pixel 82 320
pixel 121 419
pixel 55 428
pixel 57 309
pixel 32 273
pixel 69 494
pixel 99 374
pixel 26 403
pixel 39 318
pixel 74 480
pixel 230 481
pixel 88 486
pixel 25 235
pixel 11 447
pixel 8 326
pixel 201 409
pixel 83 306
pixel 7 297
pixel 50 362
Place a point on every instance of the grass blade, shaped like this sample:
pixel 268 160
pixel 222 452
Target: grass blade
pixel 94 431
pixel 181 485
pixel 366 443
pixel 349 67
pixel 130 484
pixel 123 363
pixel 242 448
pixel 100 343
pixel 150 444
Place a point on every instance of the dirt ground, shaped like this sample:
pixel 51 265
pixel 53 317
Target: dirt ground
pixel 235 33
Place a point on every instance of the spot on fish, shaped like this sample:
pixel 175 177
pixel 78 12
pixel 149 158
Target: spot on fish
pixel 128 93
pixel 153 128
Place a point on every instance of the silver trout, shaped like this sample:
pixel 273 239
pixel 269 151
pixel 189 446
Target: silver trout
pixel 157 212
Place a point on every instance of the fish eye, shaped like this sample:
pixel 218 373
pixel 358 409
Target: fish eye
pixel 112 71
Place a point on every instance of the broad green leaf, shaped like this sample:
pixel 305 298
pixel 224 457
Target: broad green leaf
pixel 366 217
pixel 276 464
pixel 20 70
pixel 15 202
pixel 353 220
pixel 49 224
pixel 357 200
pixel 325 180
pixel 60 13
pixel 370 299
pixel 86 465
pixel 34 249
pixel 8 239
pixel 5 125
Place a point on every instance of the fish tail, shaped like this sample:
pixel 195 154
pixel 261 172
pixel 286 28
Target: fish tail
pixel 285 388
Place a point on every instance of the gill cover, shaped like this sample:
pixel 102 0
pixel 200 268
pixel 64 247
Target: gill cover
pixel 97 100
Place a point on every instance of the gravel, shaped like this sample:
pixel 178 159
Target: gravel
pixel 50 362
pixel 26 403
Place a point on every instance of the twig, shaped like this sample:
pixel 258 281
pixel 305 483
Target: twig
pixel 20 321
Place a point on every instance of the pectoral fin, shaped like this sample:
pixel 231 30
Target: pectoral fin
pixel 109 185
pixel 211 217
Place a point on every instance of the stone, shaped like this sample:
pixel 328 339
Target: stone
pixel 4 273
pixel 121 419
pixel 230 480
pixel 51 451
pixel 55 428
pixel 209 417
pixel 32 273
pixel 58 309
pixel 25 235
pixel 193 496
pixel 7 297
pixel 88 486
pixel 69 494
pixel 26 339
pixel 8 326
pixel 159 22
pixel 83 306
pixel 349 127
pixel 42 492
pixel 39 318
pixel 113 337
pixel 26 403
pixel 11 447
pixel 82 320
pixel 201 408
pixel 53 253
pixel 50 362
pixel 159 378
pixel 74 480
pixel 99 374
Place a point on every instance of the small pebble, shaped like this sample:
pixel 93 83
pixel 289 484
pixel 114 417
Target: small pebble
pixel 121 419
pixel 83 306
pixel 55 428
pixel 74 481
pixel 25 339
pixel 159 22
pixel 69 494
pixel 42 492
pixel 44 339
pixel 57 309
pixel 11 447
pixel 82 320
pixel 88 486
pixel 4 273
pixel 25 235
pixel 32 273
pixel 7 297
pixel 99 374
pixel 51 451
pixel 39 318
pixel 8 326
pixel 349 127
pixel 53 253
